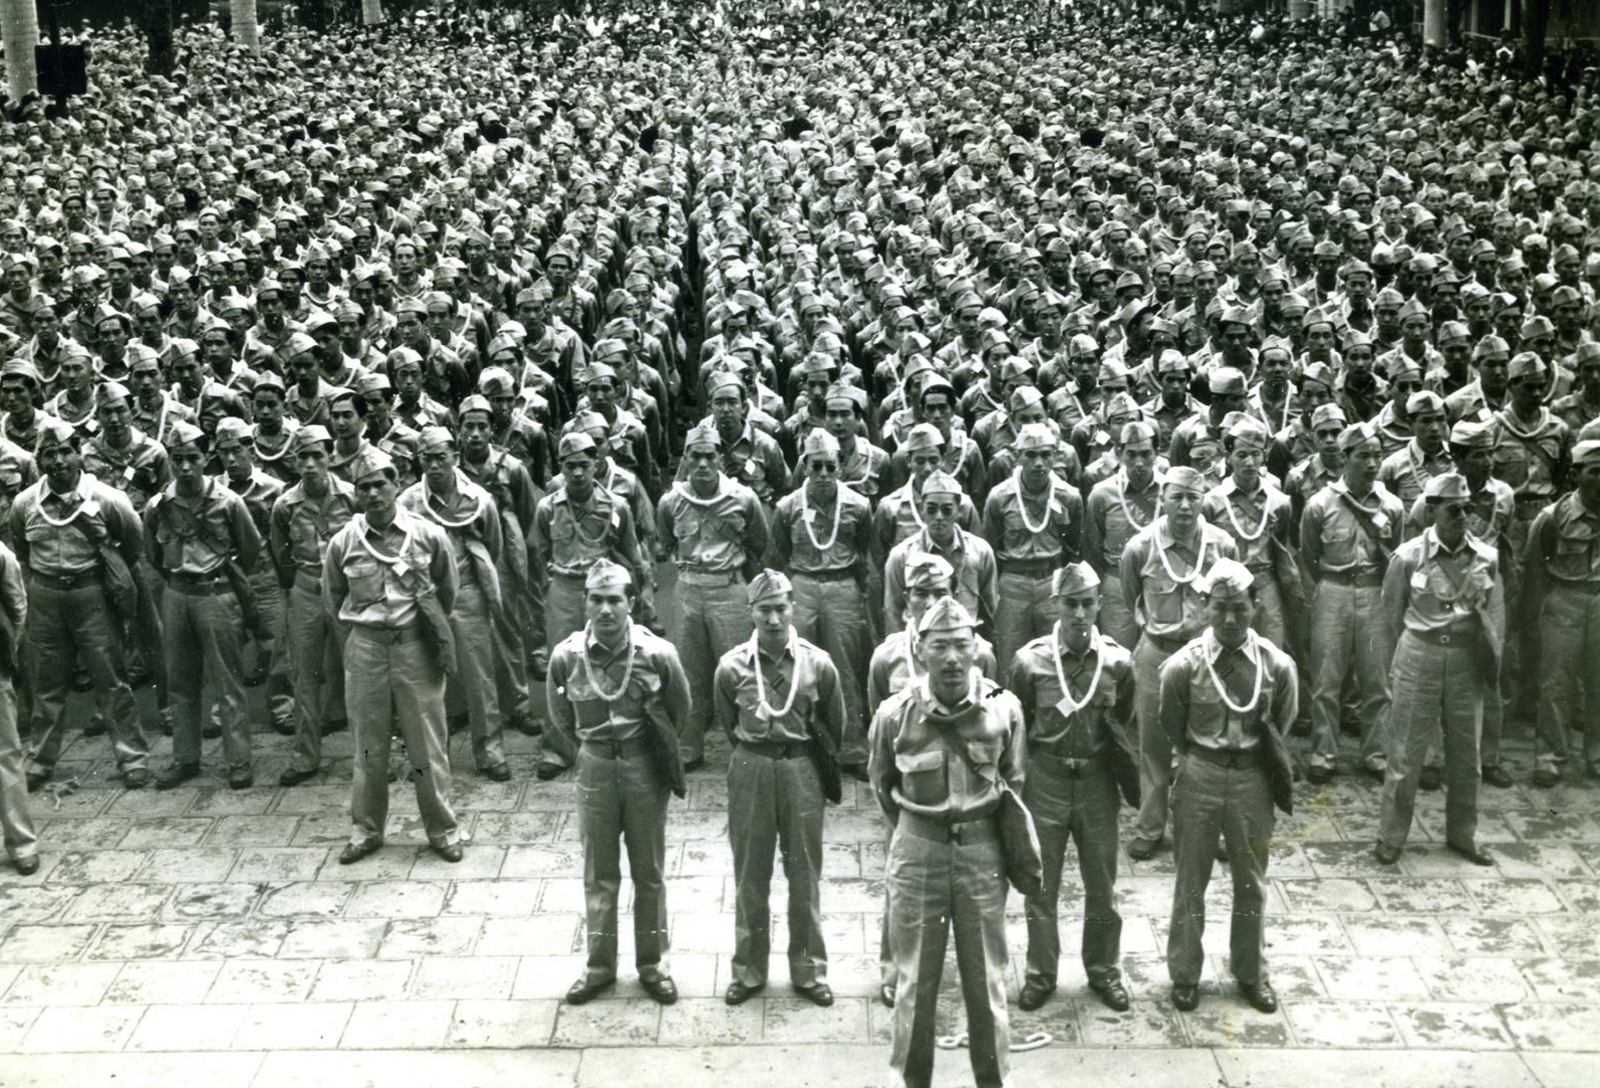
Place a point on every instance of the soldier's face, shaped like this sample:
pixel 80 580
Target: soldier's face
pixel 188 466
pixel 772 617
pixel 1588 483
pixel 474 434
pixel 438 465
pixel 948 657
pixel 1077 613
pixel 377 494
pixel 236 460
pixel 1230 613
pixel 606 610
pixel 703 465
pixel 920 598
pixel 115 420
pixel 60 462
pixel 313 463
pixel 1181 505
pixel 1450 520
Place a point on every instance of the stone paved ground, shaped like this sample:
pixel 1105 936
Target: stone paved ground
pixel 215 924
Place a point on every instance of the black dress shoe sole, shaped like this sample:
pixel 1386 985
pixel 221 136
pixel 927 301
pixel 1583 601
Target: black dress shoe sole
pixel 821 996
pixel 366 850
pixel 1187 1002
pixel 584 993
pixel 662 992
pixel 1266 1005
pixel 1115 1001
pixel 742 994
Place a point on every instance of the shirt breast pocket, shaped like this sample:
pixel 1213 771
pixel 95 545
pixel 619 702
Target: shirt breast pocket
pixel 1163 599
pixel 984 755
pixel 170 544
pixel 1510 463
pixel 686 528
pixel 922 776
pixel 366 581
pixel 1339 544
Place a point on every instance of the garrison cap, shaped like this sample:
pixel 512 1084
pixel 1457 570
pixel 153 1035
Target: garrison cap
pixel 769 585
pixel 1073 578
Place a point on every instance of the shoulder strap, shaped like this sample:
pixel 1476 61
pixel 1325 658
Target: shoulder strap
pixel 1364 520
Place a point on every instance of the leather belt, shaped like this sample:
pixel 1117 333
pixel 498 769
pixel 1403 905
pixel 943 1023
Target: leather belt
pixel 1458 636
pixel 710 577
pixel 1358 579
pixel 1028 566
pixel 774 750
pixel 1075 768
pixel 67 582
pixel 412 633
pixel 199 585
pixel 1230 757
pixel 983 829
pixel 617 749
pixel 848 574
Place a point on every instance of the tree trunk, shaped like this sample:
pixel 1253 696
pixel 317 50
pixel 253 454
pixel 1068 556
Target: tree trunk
pixel 246 31
pixel 371 12
pixel 154 17
pixel 1535 22
pixel 19 19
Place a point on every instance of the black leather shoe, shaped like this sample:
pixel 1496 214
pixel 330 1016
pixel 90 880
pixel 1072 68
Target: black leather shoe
pixel 1378 774
pixel 497 772
pixel 1496 776
pixel 857 771
pixel 738 993
pixel 546 770
pixel 1143 849
pixel 1111 994
pixel 1472 852
pixel 694 765
pixel 528 727
pixel 37 779
pixel 240 778
pixel 355 851
pixel 1186 998
pixel 1034 994
pixel 26 866
pixel 1319 775
pixel 95 726
pixel 450 851
pixel 1545 779
pixel 136 779
pixel 661 989
pixel 210 731
pixel 176 775
pixel 1386 855
pixel 583 991
pixel 1431 779
pixel 886 994
pixel 819 994
pixel 1260 996
pixel 292 777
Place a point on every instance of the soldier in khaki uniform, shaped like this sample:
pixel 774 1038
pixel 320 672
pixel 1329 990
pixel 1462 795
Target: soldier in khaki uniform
pixel 1445 606
pixel 15 821
pixel 1257 516
pixel 777 696
pixel 942 750
pixel 304 519
pixel 718 534
pixel 381 571
pixel 195 529
pixel 1116 510
pixel 822 537
pixel 574 527
pixel 1161 569
pixel 605 682
pixel 1076 690
pixel 1227 699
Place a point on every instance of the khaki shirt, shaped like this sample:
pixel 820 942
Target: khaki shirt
pixel 818 705
pixel 1333 539
pixel 799 529
pixel 199 534
pixel 60 534
pixel 1431 589
pixel 1253 522
pixel 1010 511
pixel 374 578
pixel 1192 708
pixel 302 526
pixel 1083 732
pixel 724 534
pixel 892 669
pixel 583 672
pixel 1165 606
pixel 913 766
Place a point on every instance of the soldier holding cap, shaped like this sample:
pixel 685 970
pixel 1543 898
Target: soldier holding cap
pixel 942 752
pixel 1561 588
pixel 471 522
pixel 1161 571
pixel 822 536
pixel 1034 523
pixel 778 696
pixel 606 682
pixel 304 519
pixel 1348 532
pixel 198 533
pixel 1228 699
pixel 1117 509
pixel 1250 509
pixel 1076 691
pixel 1444 602
pixel 381 572
pixel 71 532
pixel 718 534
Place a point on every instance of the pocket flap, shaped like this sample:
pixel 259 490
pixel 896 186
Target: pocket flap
pixel 909 762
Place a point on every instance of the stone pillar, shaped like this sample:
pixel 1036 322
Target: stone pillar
pixel 1299 9
pixel 19 19
pixel 1433 20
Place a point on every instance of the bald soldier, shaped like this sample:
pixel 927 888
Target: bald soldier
pixel 1348 531
pixel 943 750
pixel 777 697
pixel 1444 602
pixel 717 534
pixel 606 684
pixel 1161 569
pixel 195 531
pixel 390 578
pixel 1076 690
pixel 1033 521
pixel 822 536
pixel 1227 701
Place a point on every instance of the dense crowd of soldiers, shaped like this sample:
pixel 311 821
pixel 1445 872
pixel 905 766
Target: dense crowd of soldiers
pixel 1121 417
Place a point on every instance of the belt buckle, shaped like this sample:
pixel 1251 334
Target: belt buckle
pixel 1444 638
